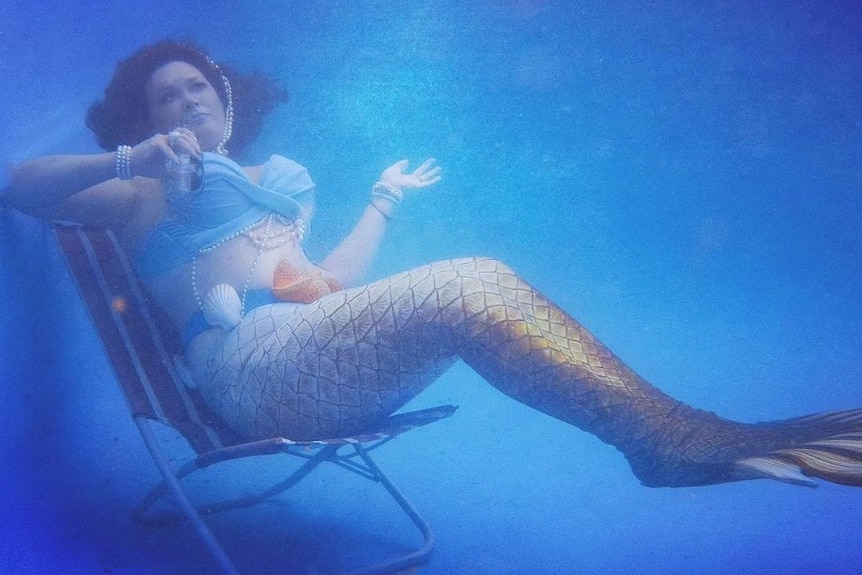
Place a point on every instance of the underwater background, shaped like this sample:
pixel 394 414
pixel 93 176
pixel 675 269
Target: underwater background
pixel 684 178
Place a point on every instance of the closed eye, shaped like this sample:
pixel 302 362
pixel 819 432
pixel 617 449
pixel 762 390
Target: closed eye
pixel 167 97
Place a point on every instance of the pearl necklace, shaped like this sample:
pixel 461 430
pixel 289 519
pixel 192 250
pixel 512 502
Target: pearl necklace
pixel 290 231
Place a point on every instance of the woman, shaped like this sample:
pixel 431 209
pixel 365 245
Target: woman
pixel 280 346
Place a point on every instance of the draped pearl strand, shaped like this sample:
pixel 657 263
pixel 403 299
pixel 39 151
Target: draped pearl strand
pixel 289 231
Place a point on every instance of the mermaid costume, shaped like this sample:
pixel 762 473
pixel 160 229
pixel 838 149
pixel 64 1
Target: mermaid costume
pixel 338 364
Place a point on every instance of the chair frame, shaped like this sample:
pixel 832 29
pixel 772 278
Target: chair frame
pixel 143 354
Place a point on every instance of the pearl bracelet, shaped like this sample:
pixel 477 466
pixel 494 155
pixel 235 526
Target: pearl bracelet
pixel 123 163
pixel 388 192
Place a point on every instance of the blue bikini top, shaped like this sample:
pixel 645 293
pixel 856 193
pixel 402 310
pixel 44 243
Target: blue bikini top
pixel 226 203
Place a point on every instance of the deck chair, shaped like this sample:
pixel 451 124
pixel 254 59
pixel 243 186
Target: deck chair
pixel 143 353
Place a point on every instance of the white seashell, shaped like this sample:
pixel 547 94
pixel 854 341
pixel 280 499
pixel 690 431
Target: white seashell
pixel 222 307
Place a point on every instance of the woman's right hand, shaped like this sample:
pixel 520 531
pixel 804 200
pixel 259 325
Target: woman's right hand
pixel 152 157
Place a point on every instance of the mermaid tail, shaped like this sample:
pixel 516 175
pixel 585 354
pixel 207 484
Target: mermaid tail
pixel 354 356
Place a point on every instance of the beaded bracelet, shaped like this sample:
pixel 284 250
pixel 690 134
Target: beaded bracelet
pixel 123 163
pixel 386 191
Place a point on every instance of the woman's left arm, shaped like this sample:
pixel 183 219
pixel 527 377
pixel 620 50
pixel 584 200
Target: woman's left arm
pixel 352 258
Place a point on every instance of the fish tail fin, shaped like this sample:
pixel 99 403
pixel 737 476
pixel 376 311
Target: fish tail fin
pixel 827 446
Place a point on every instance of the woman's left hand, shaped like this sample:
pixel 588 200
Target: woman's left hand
pixel 425 175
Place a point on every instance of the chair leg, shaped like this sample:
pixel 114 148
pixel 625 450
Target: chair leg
pixel 310 465
pixel 173 486
pixel 408 560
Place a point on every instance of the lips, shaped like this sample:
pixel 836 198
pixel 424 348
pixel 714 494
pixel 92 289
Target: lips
pixel 195 119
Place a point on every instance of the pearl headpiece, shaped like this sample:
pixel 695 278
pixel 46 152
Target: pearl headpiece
pixel 228 111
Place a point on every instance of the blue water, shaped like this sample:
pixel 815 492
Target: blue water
pixel 684 178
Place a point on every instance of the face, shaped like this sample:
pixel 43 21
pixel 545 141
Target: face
pixel 179 94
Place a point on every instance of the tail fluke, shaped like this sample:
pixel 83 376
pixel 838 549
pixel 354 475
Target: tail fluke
pixel 827 446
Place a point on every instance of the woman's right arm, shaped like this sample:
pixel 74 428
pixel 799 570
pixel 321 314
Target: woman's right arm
pixel 79 188
pixel 85 188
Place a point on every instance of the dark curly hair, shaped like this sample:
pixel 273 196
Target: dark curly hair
pixel 122 117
